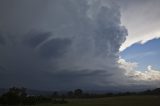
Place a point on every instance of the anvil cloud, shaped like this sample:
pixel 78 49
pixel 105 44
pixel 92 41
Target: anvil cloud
pixel 61 44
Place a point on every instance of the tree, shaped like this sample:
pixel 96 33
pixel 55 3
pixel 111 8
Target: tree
pixel 55 94
pixel 14 96
pixel 78 92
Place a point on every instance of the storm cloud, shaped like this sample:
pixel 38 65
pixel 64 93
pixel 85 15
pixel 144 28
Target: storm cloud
pixel 61 44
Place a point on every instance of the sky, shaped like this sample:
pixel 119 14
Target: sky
pixel 143 27
pixel 147 54
pixel 69 44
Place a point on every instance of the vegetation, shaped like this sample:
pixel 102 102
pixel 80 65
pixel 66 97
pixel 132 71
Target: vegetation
pixel 18 96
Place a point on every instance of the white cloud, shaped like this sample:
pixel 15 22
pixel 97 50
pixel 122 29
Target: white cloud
pixel 141 39
pixel 149 67
pixel 141 18
pixel 148 75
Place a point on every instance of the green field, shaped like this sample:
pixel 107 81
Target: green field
pixel 113 101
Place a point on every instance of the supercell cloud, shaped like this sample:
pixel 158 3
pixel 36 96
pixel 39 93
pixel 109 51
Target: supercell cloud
pixel 61 44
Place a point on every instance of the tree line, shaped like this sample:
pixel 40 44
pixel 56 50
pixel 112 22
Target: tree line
pixel 19 96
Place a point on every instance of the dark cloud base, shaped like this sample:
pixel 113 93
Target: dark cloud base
pixel 74 44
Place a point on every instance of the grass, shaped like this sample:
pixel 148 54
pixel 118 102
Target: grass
pixel 113 101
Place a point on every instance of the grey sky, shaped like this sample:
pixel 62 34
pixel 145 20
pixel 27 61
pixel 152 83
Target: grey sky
pixel 70 44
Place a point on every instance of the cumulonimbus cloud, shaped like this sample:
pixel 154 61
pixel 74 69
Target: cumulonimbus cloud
pixel 74 43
